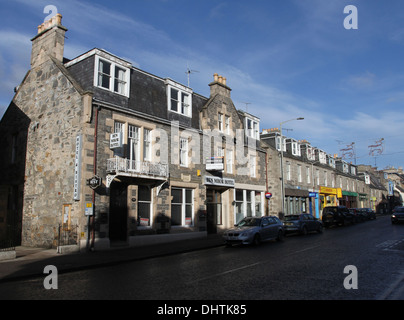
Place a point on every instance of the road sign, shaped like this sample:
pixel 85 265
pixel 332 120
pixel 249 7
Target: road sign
pixel 268 195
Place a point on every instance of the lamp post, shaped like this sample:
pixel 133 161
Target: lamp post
pixel 281 145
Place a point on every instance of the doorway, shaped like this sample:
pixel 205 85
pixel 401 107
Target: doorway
pixel 118 212
pixel 213 210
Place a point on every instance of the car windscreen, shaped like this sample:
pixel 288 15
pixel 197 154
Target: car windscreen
pixel 401 210
pixel 291 217
pixel 249 222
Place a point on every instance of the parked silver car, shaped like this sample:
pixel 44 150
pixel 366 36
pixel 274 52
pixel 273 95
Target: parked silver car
pixel 253 230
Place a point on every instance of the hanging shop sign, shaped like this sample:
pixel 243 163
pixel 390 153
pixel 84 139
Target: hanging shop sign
pixel 95 182
pixel 115 140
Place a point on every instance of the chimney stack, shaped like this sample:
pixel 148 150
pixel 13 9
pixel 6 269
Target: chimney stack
pixel 219 86
pixel 49 41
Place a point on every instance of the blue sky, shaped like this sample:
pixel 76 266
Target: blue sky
pixel 282 59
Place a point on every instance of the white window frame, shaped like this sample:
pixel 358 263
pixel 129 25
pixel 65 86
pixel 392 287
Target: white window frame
pixel 252 128
pixel 296 148
pixel 220 125
pixel 134 146
pixel 253 166
pixel 229 161
pixel 227 124
pixel 278 143
pixel 322 157
pixel 147 144
pixel 310 153
pixel 150 202
pixel 245 203
pixel 112 76
pixel 308 175
pixel 299 173
pixel 331 162
pixel 288 171
pixel 184 152
pixel 184 109
pixel 184 204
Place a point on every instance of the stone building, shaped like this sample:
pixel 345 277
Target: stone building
pixel 104 152
pixel 313 178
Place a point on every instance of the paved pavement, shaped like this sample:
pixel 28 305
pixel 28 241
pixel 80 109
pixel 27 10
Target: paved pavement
pixel 30 262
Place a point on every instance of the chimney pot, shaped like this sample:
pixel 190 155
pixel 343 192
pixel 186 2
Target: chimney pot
pixel 49 41
pixel 215 76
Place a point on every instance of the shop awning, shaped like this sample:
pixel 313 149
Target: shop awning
pixel 296 192
pixel 349 193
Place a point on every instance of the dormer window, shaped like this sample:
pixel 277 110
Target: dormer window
pixel 310 153
pixel 179 98
pixel 331 162
pixel 111 76
pixel 322 157
pixel 252 128
pixel 278 143
pixel 296 148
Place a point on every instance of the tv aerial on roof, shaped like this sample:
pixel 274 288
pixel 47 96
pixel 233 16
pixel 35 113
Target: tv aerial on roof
pixel 188 72
pixel 246 105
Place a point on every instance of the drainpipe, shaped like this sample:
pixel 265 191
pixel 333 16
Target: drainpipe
pixel 95 173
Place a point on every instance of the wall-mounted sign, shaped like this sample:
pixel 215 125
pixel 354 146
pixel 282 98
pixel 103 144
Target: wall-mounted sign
pixel 214 163
pixel 268 195
pixel 77 169
pixel 89 209
pixel 115 140
pixel 220 182
pixel 391 188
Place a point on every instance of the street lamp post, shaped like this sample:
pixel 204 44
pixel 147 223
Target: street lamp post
pixel 281 145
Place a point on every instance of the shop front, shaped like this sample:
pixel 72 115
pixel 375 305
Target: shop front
pixel 296 201
pixel 329 196
pixel 349 199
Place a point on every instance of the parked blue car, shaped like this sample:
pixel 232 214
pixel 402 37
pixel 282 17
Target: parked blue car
pixel 302 223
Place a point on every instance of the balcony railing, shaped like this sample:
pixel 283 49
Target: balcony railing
pixel 137 168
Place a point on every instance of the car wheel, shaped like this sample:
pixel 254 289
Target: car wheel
pixel 320 229
pixel 280 236
pixel 304 231
pixel 257 240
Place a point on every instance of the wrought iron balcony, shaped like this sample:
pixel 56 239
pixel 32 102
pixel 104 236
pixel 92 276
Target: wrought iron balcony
pixel 127 167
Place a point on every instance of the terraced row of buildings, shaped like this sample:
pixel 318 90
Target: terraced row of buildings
pixel 101 151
